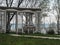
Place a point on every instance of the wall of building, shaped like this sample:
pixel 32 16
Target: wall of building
pixel 2 22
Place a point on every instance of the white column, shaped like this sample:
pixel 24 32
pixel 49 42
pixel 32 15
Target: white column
pixel 17 23
pixel 36 21
pixel 5 22
pixel 33 31
pixel 22 23
pixel 28 30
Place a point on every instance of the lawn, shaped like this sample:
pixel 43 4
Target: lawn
pixel 5 39
pixel 39 34
pixel 46 35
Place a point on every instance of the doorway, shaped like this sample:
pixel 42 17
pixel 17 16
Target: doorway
pixel 11 21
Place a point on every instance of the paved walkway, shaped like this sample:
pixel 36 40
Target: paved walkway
pixel 35 36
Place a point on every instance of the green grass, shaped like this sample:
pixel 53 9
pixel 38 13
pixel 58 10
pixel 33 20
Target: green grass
pixel 5 39
pixel 38 34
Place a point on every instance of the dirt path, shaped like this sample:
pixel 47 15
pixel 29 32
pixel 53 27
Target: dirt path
pixel 35 36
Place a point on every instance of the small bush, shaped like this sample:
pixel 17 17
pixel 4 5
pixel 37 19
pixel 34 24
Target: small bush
pixel 51 32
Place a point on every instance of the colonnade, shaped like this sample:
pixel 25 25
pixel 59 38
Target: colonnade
pixel 28 27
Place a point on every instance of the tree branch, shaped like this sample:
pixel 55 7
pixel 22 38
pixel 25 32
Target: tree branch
pixel 20 1
pixel 11 3
pixel 7 3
